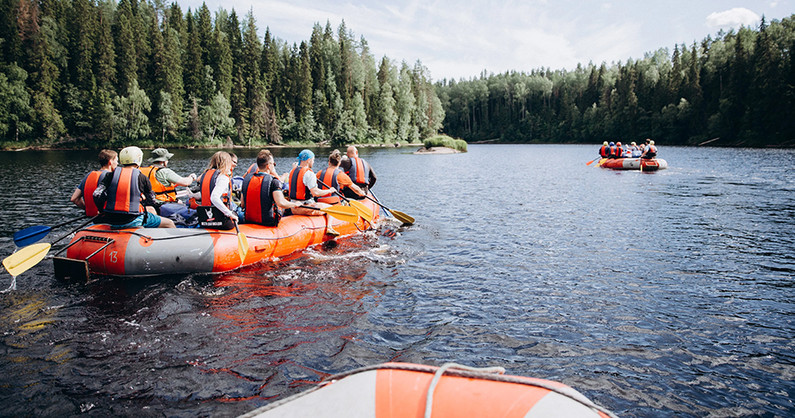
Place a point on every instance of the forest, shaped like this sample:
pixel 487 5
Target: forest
pixel 96 73
pixel 737 89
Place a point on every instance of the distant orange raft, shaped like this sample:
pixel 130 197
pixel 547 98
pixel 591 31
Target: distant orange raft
pixel 648 164
pixel 403 390
pixel 140 252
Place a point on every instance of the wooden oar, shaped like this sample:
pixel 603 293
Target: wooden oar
pixel 343 213
pixel 27 257
pixel 402 217
pixel 361 209
pixel 242 243
pixel 36 233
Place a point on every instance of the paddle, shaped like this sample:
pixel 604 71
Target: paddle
pixel 343 213
pixel 361 209
pixel 242 243
pixel 27 257
pixel 36 233
pixel 592 161
pixel 402 217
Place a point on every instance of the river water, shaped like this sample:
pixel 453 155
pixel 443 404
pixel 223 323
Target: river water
pixel 654 294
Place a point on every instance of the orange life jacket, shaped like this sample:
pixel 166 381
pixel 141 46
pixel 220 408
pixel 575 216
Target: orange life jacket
pixel 260 206
pixel 163 193
pixel 329 178
pixel 207 181
pixel 124 195
pixel 359 171
pixel 88 186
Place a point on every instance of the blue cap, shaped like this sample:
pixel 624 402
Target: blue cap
pixel 306 155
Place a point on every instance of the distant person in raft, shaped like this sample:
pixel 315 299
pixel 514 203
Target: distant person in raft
pixel 164 180
pixel 123 194
pixel 304 189
pixel 359 171
pixel 108 161
pixel 650 151
pixel 263 200
pixel 333 177
pixel 604 151
pixel 216 209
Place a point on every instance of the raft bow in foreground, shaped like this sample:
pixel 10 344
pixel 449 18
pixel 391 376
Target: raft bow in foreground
pixel 652 164
pixel 413 390
pixel 139 252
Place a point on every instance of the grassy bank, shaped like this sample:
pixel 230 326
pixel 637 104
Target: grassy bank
pixel 446 141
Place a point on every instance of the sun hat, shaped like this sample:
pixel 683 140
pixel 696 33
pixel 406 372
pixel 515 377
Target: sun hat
pixel 160 154
pixel 305 155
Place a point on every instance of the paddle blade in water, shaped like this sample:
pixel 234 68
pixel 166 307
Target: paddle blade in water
pixel 27 257
pixel 31 235
pixel 402 217
pixel 362 210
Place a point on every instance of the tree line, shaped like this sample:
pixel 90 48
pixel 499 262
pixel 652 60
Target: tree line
pixel 96 73
pixel 737 89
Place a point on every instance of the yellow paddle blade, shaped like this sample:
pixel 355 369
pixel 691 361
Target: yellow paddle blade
pixel 343 213
pixel 242 244
pixel 362 210
pixel 27 257
pixel 402 217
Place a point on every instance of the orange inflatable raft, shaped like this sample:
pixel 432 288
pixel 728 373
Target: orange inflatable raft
pixel 648 164
pixel 139 252
pixel 399 390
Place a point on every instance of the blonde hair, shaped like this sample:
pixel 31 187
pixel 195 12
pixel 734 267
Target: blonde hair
pixel 222 162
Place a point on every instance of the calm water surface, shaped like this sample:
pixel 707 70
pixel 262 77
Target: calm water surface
pixel 654 294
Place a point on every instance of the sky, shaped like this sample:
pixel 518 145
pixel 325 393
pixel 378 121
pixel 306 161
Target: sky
pixel 459 39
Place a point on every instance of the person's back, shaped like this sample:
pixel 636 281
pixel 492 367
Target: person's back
pixel 122 194
pixel 360 172
pixel 163 179
pixel 262 194
pixel 604 151
pixel 83 195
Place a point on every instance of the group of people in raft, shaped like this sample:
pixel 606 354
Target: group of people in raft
pixel 616 150
pixel 125 195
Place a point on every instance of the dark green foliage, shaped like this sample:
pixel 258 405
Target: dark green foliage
pixel 93 73
pixel 738 87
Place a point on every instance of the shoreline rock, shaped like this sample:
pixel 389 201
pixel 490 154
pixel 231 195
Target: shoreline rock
pixel 436 150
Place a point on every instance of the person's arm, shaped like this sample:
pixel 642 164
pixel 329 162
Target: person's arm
pixel 174 178
pixel 77 198
pixel 344 181
pixel 278 196
pixel 216 198
pixel 372 178
pixel 310 181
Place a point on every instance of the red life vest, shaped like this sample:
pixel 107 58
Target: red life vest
pixel 359 171
pixel 604 152
pixel 166 194
pixel 124 195
pixel 298 190
pixel 258 196
pixel 329 178
pixel 88 186
pixel 207 181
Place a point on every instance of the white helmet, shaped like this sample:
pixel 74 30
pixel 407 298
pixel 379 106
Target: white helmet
pixel 131 155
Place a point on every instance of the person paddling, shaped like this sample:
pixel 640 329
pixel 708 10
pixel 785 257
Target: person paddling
pixel 333 177
pixel 359 170
pixel 650 151
pixel 108 161
pixel 263 200
pixel 304 189
pixel 164 180
pixel 123 194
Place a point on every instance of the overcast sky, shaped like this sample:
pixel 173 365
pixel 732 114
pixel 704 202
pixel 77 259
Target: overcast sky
pixel 460 38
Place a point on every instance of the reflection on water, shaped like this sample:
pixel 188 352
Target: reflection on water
pixel 667 293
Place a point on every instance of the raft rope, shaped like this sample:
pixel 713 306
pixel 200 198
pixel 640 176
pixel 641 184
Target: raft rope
pixel 451 369
pixel 447 366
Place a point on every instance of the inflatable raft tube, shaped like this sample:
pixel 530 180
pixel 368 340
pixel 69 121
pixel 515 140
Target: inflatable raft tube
pixel 411 390
pixel 653 164
pixel 141 252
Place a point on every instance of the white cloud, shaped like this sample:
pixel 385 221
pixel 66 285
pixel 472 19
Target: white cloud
pixel 732 18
